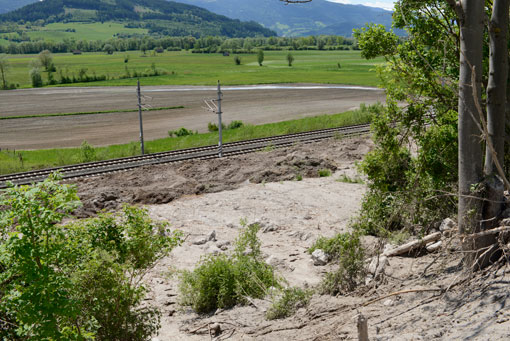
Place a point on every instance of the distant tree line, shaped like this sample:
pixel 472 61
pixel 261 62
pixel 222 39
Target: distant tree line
pixel 199 45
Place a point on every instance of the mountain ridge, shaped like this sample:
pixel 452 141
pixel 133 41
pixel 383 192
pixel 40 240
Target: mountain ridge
pixel 313 18
pixel 159 16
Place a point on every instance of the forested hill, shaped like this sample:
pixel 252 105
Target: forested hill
pixel 169 17
pixel 10 5
pixel 313 18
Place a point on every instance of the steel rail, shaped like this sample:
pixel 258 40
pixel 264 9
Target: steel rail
pixel 206 152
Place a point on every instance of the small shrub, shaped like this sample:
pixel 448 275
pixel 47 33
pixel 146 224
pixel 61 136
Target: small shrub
pixel 299 177
pixel 331 246
pixel 79 281
pixel 237 60
pixel 222 281
pixel 350 257
pixel 399 237
pixel 290 301
pixel 87 152
pixel 182 132
pixel 349 180
pixel 324 173
pixel 212 127
pixel 269 148
pixel 235 125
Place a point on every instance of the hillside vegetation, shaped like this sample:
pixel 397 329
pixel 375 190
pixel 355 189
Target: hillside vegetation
pixel 313 18
pixel 157 16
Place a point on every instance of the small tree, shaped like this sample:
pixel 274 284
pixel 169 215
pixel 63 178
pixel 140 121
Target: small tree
pixel 144 48
pixel 260 57
pixel 35 76
pixel 237 60
pixel 290 59
pixel 4 65
pixel 46 60
pixel 108 48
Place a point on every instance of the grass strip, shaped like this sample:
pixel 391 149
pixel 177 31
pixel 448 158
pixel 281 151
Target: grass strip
pixel 19 161
pixel 88 113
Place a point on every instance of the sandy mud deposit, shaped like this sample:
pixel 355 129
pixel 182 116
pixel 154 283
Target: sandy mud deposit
pixel 416 298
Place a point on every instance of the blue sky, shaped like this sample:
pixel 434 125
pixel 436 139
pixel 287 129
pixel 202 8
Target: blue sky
pixel 386 4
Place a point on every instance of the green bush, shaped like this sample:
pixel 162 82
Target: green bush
pixel 290 301
pixel 402 189
pixel 347 251
pixel 87 152
pixel 331 246
pixel 235 125
pixel 36 78
pixel 181 132
pixel 237 60
pixel 79 281
pixel 212 127
pixel 324 173
pixel 222 281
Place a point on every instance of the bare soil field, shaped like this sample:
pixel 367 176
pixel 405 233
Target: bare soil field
pixel 249 104
pixel 425 296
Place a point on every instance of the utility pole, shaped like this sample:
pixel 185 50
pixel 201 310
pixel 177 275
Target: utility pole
pixel 140 117
pixel 214 105
pixel 220 128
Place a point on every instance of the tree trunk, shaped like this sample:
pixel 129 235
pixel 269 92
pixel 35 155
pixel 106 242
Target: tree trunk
pixel 497 85
pixel 470 150
pixel 2 72
pixel 496 117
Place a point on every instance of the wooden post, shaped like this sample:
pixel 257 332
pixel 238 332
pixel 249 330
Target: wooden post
pixel 362 328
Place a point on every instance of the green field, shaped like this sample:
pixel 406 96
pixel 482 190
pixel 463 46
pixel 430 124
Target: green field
pixel 84 31
pixel 186 68
pixel 18 161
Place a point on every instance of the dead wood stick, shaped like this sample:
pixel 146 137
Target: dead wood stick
pixel 399 293
pixel 197 329
pixel 362 327
pixel 485 233
pixel 413 245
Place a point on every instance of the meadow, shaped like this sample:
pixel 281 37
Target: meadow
pixel 83 31
pixel 186 68
pixel 18 161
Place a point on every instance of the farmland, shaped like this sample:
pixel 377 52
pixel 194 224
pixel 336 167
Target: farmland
pixel 186 68
pixel 15 161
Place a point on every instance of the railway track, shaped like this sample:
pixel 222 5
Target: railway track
pixel 199 153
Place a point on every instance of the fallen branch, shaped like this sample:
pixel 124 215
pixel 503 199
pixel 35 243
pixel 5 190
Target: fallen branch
pixel 399 293
pixel 488 232
pixel 295 327
pixel 413 245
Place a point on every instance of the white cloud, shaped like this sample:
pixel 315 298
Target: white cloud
pixel 386 4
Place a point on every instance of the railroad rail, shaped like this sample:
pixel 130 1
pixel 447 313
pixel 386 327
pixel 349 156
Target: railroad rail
pixel 199 153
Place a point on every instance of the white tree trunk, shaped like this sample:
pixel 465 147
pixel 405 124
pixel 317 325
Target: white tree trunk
pixel 470 150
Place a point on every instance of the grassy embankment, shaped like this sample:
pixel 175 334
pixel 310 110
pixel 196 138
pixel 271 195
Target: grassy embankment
pixel 17 161
pixel 186 68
